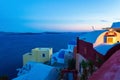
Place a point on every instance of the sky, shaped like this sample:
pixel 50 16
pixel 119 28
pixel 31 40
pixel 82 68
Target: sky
pixel 57 15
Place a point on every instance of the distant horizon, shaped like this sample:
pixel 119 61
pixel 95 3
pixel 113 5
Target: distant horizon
pixel 48 31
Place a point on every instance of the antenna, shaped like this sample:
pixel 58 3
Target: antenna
pixel 93 28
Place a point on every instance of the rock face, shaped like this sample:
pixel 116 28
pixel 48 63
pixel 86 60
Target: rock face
pixel 116 25
pixel 110 70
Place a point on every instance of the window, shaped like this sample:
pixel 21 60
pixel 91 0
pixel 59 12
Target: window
pixel 110 40
pixel 105 39
pixel 43 55
pixel 30 54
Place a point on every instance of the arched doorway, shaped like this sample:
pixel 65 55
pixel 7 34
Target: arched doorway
pixel 110 37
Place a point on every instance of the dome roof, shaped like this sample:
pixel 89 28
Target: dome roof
pixel 116 25
pixel 61 54
pixel 93 34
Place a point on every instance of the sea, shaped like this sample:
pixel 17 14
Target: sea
pixel 14 45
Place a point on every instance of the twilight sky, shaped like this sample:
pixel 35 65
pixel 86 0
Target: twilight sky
pixel 57 15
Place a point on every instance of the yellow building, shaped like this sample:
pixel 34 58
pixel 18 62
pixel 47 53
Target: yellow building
pixel 38 55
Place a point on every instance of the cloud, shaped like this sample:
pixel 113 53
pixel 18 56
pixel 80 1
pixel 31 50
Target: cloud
pixel 104 21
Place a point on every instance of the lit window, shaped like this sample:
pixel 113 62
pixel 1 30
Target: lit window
pixel 110 40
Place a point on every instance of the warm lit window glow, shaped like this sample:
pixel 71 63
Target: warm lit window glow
pixel 110 40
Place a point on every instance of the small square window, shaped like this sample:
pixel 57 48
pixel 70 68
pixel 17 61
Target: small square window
pixel 110 40
pixel 43 55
